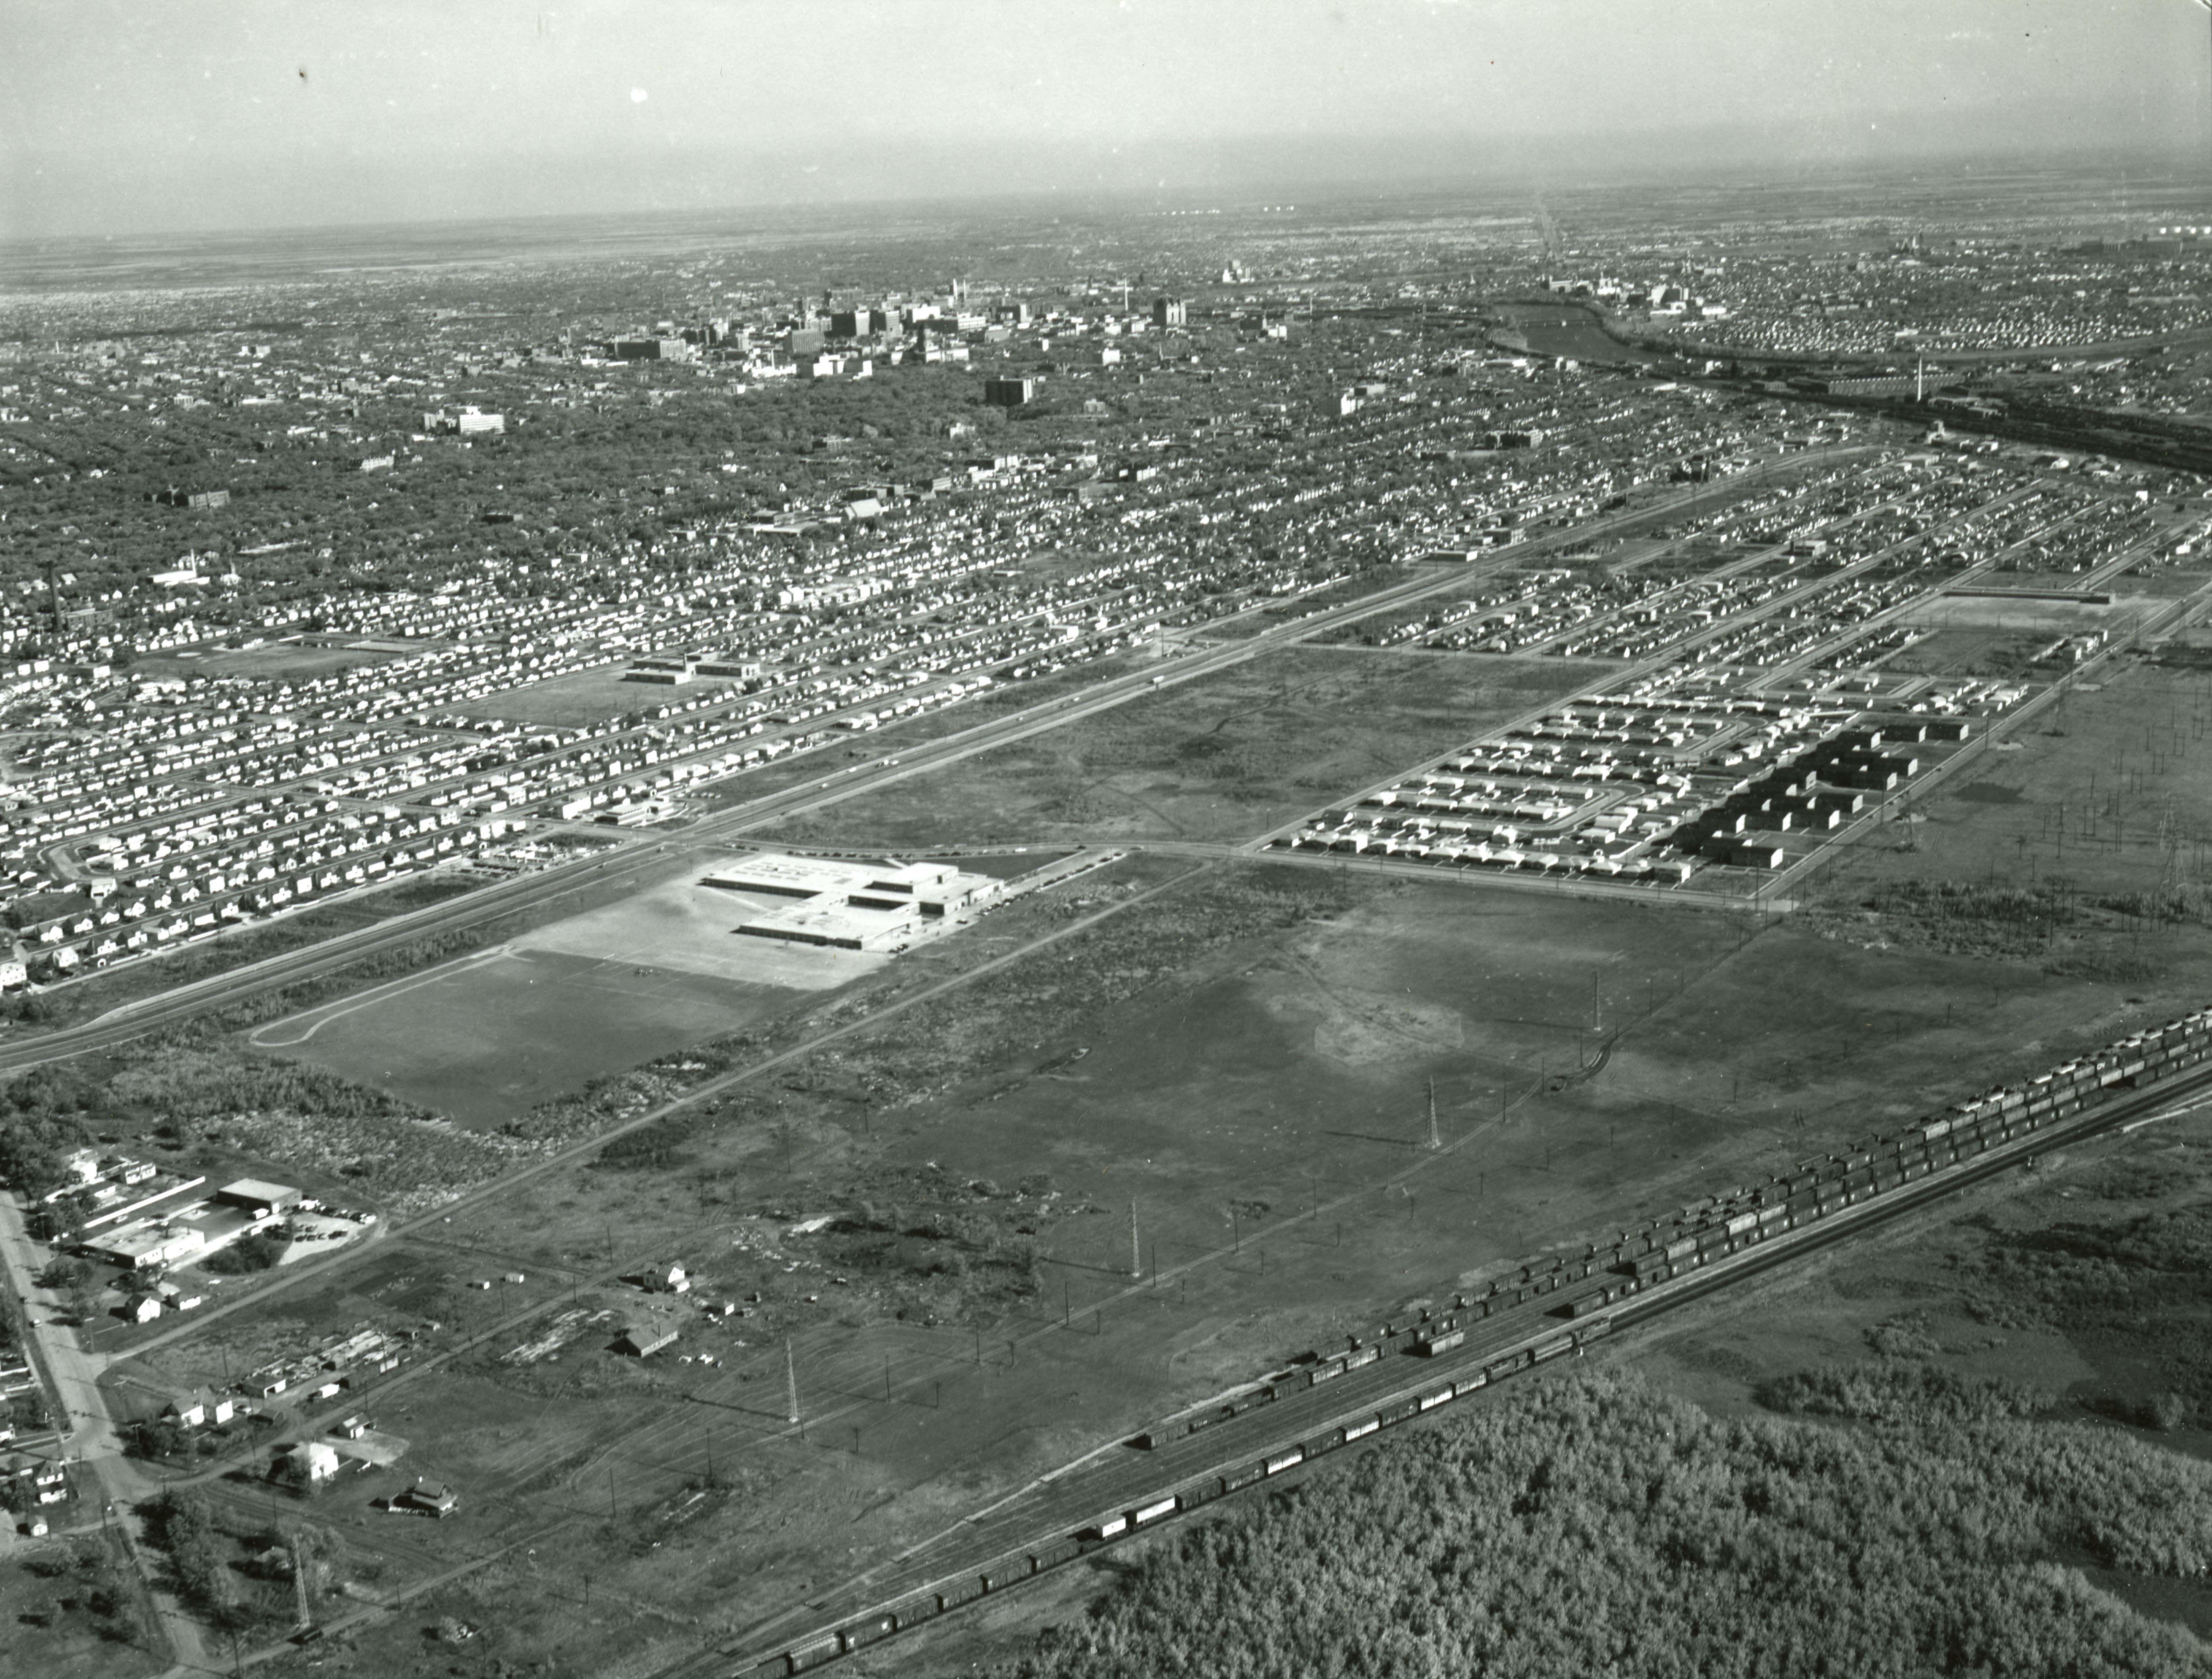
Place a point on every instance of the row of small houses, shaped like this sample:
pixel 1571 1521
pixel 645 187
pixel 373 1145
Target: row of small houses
pixel 1481 853
pixel 597 770
pixel 1813 791
pixel 1777 638
pixel 28 1482
pixel 206 905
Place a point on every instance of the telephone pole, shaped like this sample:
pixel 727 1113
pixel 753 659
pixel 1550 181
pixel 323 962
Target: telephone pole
pixel 1435 1138
pixel 1136 1248
pixel 302 1598
pixel 790 1383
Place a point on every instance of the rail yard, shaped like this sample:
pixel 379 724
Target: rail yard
pixel 1558 1308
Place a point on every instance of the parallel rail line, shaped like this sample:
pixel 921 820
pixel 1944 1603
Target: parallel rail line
pixel 1468 1347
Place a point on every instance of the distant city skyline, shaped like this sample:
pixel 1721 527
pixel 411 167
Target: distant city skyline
pixel 120 119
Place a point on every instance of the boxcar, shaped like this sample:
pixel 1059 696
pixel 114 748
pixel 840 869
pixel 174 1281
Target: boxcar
pixel 866 1632
pixel 1052 1556
pixel 960 1591
pixel 914 1611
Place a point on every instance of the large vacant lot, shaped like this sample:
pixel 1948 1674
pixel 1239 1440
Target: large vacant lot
pixel 1227 756
pixel 1262 1098
pixel 490 1036
pixel 2084 844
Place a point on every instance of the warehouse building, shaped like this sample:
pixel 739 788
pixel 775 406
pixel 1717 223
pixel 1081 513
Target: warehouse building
pixel 263 1199
pixel 850 906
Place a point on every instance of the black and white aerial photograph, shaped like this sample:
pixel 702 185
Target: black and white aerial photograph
pixel 1106 839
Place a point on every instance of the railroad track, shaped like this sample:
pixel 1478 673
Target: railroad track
pixel 1111 1495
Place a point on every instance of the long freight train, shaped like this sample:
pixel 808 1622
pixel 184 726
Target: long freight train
pixel 1576 1291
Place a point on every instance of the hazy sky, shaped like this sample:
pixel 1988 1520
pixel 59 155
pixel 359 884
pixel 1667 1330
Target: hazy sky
pixel 122 116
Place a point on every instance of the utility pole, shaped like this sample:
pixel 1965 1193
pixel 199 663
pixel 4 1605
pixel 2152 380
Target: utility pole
pixel 790 1384
pixel 303 1600
pixel 1435 1138
pixel 1136 1248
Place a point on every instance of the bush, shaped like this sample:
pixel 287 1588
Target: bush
pixel 259 1251
pixel 1912 1395
pixel 64 1271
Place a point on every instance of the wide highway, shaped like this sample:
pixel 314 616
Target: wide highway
pixel 635 863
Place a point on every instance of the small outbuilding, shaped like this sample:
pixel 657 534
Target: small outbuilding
pixel 645 1337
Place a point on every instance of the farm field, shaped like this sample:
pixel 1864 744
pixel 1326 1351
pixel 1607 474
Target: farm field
pixel 1226 758
pixel 487 1039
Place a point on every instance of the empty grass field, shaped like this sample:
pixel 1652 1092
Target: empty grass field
pixel 1226 757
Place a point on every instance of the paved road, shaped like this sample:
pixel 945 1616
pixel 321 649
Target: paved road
pixel 1864 826
pixel 636 862
pixel 291 1276
pixel 1627 675
pixel 104 1475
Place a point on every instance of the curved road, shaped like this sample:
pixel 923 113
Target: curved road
pixel 640 858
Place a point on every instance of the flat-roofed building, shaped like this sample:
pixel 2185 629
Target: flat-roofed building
pixel 257 1195
pixel 147 1247
pixel 854 906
